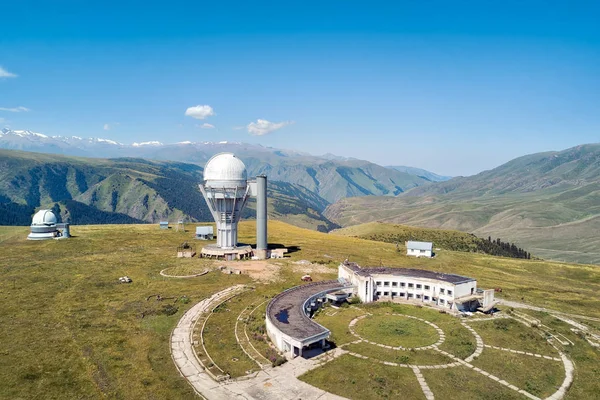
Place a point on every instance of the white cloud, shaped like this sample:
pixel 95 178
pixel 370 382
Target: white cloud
pixel 200 112
pixel 5 74
pixel 206 126
pixel 108 127
pixel 263 127
pixel 15 109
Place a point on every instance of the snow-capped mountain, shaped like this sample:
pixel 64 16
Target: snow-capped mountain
pixel 329 176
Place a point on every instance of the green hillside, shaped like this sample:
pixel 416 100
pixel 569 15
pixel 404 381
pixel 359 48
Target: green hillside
pixel 549 203
pixel 128 190
pixel 441 238
pixel 70 330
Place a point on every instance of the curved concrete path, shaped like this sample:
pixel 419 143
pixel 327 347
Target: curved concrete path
pixel 269 384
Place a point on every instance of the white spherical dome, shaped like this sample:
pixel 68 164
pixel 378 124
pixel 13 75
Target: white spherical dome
pixel 44 217
pixel 225 167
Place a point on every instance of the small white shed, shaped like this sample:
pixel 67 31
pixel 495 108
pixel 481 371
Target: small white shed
pixel 204 232
pixel 419 249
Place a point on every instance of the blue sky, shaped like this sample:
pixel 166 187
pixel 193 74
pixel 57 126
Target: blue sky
pixel 453 87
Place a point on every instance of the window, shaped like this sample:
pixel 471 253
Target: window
pixel 421 251
pixel 401 294
pixel 410 285
pixel 426 287
pixel 418 296
pixel 386 284
pixel 386 293
pixel 394 294
pixel 449 292
pixel 419 286
pixel 378 283
pixel 394 284
pixel 441 301
pixel 378 293
pixel 441 290
pixel 426 298
pixel 409 295
pixel 402 284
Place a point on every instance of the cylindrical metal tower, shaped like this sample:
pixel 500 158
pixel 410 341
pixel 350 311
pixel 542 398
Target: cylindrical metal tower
pixel 261 216
pixel 226 191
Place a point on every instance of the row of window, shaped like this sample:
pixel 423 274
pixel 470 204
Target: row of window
pixel 412 296
pixel 412 286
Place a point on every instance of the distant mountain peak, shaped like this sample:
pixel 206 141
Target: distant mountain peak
pixel 150 143
pixel 22 133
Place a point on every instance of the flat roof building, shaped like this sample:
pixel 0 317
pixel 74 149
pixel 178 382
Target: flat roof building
pixel 448 291
pixel 288 316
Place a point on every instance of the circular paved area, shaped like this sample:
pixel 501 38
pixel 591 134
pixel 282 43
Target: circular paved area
pixel 282 383
pixel 457 362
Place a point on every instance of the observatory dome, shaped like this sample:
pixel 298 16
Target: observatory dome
pixel 225 167
pixel 44 218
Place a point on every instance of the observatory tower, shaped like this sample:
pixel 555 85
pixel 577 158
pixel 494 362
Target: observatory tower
pixel 226 191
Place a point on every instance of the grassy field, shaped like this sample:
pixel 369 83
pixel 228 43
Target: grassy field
pixel 512 334
pixel 395 330
pixel 356 378
pixel 537 376
pixel 461 383
pixel 421 357
pixel 70 330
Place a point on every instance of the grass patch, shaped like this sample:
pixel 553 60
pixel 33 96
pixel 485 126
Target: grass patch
pixel 396 330
pixel 414 357
pixel 356 378
pixel 337 322
pixel 461 383
pixel 459 341
pixel 511 334
pixel 189 266
pixel 220 340
pixel 537 376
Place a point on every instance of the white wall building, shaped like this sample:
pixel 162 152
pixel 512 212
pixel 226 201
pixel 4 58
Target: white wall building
pixel 288 317
pixel 204 232
pixel 419 249
pixel 453 292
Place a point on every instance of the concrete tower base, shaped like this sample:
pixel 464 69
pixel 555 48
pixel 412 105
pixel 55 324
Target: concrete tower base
pixel 216 252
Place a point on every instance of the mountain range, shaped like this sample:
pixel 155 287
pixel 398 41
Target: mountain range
pixel 547 202
pixel 128 190
pixel 329 176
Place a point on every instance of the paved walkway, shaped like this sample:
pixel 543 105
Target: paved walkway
pixel 282 383
pixel 269 384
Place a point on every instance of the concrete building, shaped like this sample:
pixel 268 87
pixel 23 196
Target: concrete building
pixel 43 226
pixel 448 291
pixel 288 316
pixel 163 224
pixel 419 249
pixel 204 232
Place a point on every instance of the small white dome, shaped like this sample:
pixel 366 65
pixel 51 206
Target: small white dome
pixel 225 167
pixel 44 217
